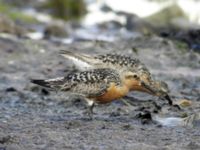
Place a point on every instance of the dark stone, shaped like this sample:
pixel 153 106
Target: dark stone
pixel 44 91
pixel 11 89
pixel 5 139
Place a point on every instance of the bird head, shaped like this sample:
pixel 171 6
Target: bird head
pixel 135 83
pixel 145 83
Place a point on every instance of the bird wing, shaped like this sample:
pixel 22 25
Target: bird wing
pixel 114 61
pixel 87 89
pixel 81 61
pixel 54 84
pixel 89 83
pixel 90 90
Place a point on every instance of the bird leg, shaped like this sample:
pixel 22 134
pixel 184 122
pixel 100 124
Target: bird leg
pixel 89 111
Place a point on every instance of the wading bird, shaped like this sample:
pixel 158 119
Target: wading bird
pixel 100 86
pixel 119 62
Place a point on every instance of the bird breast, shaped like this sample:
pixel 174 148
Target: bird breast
pixel 113 92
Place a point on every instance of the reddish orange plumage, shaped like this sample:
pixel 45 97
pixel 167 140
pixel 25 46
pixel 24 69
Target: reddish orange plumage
pixel 113 93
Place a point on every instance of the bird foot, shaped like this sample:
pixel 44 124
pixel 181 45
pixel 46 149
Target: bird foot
pixel 89 112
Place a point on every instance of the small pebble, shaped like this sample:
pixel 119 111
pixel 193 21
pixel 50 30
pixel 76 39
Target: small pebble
pixel 184 103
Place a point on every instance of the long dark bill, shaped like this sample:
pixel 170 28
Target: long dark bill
pixel 168 99
pixel 149 88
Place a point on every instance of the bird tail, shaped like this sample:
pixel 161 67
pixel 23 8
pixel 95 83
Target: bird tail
pixel 81 61
pixel 54 84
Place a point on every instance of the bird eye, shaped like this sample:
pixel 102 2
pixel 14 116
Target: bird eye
pixel 135 76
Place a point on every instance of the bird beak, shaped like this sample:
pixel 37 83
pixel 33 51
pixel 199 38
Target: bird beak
pixel 154 92
pixel 168 99
pixel 149 88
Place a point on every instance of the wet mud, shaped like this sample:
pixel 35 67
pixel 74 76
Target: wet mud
pixel 34 118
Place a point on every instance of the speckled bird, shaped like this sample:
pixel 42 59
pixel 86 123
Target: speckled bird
pixel 99 86
pixel 119 62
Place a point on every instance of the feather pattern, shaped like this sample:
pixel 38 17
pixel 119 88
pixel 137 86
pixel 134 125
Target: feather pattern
pixel 88 83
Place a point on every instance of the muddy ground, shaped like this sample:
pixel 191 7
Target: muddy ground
pixel 34 118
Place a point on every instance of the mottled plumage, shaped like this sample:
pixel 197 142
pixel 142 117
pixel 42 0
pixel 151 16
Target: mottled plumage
pixel 117 62
pixel 114 61
pixel 101 85
pixel 87 83
pixel 122 61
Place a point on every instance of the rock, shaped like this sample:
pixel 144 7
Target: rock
pixel 55 30
pixel 166 16
pixel 193 145
pixel 11 89
pixel 5 139
pixel 110 25
pixel 184 103
pixel 106 8
pixel 185 38
pixel 192 120
pixel 134 23
pixel 9 26
pixel 146 117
